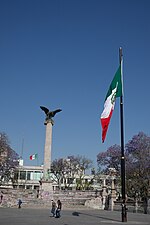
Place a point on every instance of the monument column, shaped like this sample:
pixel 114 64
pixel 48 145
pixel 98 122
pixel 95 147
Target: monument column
pixel 46 181
pixel 47 149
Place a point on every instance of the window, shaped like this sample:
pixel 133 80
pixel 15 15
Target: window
pixel 22 175
pixel 16 175
pixel 37 175
pixel 28 175
pixel 29 187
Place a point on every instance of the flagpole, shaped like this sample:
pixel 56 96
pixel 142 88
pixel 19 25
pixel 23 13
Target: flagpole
pixel 124 208
pixel 37 160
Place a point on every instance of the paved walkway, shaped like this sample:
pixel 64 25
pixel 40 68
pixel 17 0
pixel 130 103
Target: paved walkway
pixel 26 216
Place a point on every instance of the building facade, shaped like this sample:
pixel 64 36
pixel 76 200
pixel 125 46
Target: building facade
pixel 28 177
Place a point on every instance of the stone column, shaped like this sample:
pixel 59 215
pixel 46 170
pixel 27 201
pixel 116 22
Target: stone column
pixel 113 194
pixel 104 194
pixel 46 180
pixel 112 174
pixel 47 150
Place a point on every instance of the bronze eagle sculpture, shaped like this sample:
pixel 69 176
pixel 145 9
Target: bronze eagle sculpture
pixel 49 114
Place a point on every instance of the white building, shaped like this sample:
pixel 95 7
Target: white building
pixel 29 177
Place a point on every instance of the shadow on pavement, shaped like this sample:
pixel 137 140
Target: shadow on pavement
pixel 101 217
pixel 75 213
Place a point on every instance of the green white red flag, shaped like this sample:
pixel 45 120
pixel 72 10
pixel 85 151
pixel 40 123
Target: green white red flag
pixel 32 157
pixel 115 90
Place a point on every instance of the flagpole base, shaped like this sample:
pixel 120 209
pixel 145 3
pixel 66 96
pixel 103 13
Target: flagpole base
pixel 124 213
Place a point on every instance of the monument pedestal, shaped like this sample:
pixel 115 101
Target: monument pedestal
pixel 47 185
pixel 46 192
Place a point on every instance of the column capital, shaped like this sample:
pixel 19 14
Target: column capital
pixel 49 121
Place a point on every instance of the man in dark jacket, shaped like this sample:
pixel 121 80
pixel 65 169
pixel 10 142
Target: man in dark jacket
pixel 58 209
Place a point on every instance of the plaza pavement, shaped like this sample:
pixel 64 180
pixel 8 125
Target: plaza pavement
pixel 26 216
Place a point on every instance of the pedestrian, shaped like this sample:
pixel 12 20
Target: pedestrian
pixel 53 209
pixel 58 209
pixel 19 204
pixel 1 199
pixel 145 204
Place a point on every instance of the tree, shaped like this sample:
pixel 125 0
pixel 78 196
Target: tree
pixel 79 165
pixel 8 160
pixel 138 165
pixel 67 169
pixel 137 156
pixel 58 170
pixel 109 159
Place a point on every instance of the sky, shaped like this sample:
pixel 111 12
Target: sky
pixel 64 54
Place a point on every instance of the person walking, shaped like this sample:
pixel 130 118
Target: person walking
pixel 1 198
pixel 53 209
pixel 58 209
pixel 19 204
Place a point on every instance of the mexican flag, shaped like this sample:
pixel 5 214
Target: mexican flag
pixel 32 157
pixel 115 90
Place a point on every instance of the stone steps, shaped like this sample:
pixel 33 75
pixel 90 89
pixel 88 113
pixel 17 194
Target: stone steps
pixel 29 199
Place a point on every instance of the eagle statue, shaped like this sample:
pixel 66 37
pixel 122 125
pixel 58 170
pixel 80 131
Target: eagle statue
pixel 49 114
